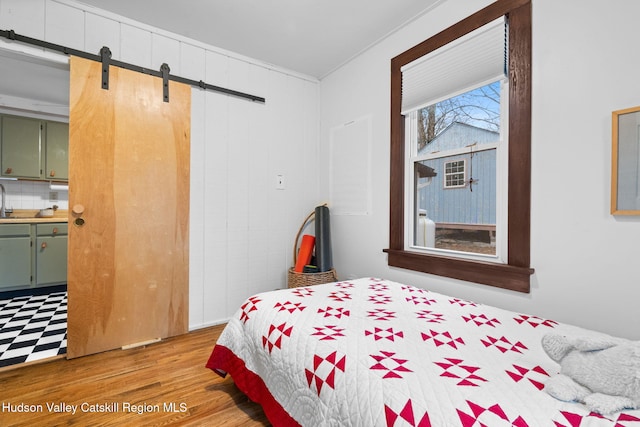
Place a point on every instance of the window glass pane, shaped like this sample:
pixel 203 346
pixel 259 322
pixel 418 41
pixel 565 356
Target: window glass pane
pixel 455 169
pixel 479 108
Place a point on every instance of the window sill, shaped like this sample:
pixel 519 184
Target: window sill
pixel 499 275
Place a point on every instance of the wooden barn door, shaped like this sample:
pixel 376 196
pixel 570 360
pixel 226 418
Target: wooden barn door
pixel 129 187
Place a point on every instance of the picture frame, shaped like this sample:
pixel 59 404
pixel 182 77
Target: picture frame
pixel 625 161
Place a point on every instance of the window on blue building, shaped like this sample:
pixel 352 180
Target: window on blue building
pixel 454 176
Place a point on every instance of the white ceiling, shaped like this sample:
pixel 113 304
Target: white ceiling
pixel 312 37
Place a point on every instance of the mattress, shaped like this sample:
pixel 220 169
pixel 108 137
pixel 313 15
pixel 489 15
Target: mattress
pixel 373 352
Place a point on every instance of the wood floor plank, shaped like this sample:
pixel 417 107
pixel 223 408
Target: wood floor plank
pixel 161 384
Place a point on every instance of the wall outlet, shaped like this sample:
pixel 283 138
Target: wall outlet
pixel 279 182
pixel 53 196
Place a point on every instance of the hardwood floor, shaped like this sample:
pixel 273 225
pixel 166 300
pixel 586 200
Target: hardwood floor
pixel 160 384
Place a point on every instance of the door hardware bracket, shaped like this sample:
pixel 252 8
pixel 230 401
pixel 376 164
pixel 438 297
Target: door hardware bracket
pixel 164 70
pixel 105 55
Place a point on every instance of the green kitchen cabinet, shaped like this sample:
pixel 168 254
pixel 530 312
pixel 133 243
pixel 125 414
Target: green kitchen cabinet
pixel 15 256
pixel 51 254
pixel 21 143
pixel 33 255
pixel 57 151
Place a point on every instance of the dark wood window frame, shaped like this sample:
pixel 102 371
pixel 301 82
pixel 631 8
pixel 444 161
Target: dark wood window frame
pixel 515 274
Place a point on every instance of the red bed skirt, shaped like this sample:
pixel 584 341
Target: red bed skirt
pixel 223 361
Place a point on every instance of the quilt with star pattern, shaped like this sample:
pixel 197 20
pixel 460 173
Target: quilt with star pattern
pixel 373 352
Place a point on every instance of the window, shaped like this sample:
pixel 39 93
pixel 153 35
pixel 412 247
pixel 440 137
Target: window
pixel 419 92
pixel 460 140
pixel 454 174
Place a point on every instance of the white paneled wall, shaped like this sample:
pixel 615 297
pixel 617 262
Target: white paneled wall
pixel 242 227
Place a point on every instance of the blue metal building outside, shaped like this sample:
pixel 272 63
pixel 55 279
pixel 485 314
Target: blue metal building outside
pixel 470 197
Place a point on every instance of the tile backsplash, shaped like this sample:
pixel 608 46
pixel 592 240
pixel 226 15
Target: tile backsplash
pixel 34 195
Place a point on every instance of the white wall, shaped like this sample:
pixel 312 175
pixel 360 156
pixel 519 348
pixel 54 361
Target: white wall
pixel 241 227
pixel 585 62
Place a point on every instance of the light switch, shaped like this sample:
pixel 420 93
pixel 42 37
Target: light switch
pixel 279 182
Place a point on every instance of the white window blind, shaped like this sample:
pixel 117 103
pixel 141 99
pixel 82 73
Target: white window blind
pixel 471 61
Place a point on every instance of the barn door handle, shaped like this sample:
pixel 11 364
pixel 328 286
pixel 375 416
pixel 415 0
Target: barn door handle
pixel 77 211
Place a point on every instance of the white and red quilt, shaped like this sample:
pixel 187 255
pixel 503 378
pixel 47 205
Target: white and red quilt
pixel 372 352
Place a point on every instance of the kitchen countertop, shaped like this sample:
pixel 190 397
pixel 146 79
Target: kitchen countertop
pixel 28 216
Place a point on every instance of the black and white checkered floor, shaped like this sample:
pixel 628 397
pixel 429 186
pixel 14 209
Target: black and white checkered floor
pixel 32 328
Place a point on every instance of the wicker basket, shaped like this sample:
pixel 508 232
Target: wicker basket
pixel 295 279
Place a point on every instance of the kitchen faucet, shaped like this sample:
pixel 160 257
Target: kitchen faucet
pixel 3 213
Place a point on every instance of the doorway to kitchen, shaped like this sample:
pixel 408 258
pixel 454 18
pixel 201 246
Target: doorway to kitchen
pixel 33 318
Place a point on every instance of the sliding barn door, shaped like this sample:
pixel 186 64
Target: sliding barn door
pixel 129 187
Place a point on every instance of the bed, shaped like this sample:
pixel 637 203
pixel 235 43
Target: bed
pixel 373 352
